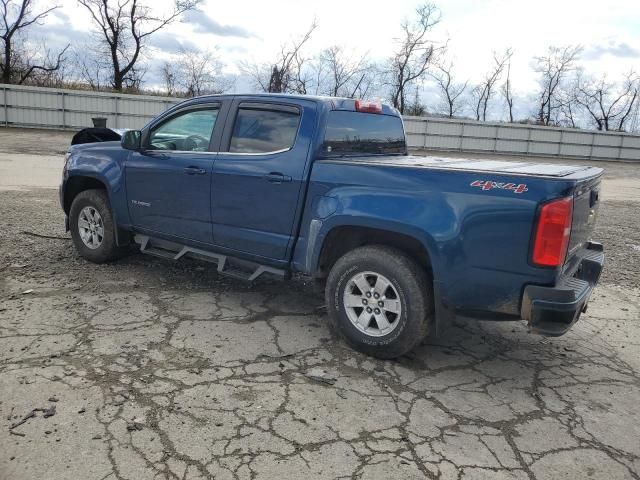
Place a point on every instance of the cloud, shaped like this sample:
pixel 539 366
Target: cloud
pixel 170 43
pixel 60 32
pixel 62 16
pixel 202 23
pixel 612 48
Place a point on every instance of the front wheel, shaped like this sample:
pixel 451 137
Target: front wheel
pixel 92 227
pixel 380 301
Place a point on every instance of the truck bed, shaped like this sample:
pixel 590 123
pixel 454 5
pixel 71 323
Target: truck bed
pixel 565 172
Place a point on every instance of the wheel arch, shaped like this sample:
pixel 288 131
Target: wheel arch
pixel 76 184
pixel 79 183
pixel 343 238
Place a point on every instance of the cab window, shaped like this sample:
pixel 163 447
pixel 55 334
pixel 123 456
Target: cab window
pixel 186 132
pixel 259 130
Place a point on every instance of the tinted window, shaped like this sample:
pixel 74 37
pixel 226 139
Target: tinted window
pixel 352 133
pixel 189 131
pixel 261 131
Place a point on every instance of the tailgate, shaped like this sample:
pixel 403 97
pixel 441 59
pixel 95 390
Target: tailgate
pixel 586 201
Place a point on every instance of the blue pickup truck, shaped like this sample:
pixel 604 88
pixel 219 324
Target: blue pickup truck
pixel 324 187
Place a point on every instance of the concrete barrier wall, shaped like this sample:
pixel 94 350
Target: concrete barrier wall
pixel 73 109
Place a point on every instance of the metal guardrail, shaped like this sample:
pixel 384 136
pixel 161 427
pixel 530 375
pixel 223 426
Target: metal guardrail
pixel 461 135
pixel 73 109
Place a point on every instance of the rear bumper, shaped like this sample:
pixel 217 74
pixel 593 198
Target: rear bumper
pixel 553 310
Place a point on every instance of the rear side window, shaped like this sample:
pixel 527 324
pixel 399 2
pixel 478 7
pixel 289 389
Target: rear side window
pixel 264 131
pixel 353 133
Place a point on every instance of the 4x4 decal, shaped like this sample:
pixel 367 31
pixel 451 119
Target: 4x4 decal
pixel 488 185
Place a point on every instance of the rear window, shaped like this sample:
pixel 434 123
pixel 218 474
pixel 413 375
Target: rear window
pixel 354 133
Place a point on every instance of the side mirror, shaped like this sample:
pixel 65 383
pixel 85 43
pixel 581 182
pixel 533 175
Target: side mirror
pixel 131 140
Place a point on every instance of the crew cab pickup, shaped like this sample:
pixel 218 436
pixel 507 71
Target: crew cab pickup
pixel 278 184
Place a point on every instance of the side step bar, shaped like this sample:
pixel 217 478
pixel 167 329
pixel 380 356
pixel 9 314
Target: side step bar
pixel 174 251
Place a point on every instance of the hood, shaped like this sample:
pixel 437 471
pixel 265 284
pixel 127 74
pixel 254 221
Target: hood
pixel 95 145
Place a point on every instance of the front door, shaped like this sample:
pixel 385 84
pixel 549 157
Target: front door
pixel 258 178
pixel 169 181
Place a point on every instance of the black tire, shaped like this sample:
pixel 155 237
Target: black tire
pixel 107 250
pixel 414 291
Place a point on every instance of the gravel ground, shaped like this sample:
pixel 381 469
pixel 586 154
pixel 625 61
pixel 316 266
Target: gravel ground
pixel 151 369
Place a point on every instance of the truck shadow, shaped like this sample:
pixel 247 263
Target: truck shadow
pixel 466 345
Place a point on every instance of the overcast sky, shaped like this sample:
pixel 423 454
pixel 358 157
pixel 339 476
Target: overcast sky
pixel 254 29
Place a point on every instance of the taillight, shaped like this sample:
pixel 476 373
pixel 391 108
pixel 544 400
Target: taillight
pixel 552 233
pixel 368 107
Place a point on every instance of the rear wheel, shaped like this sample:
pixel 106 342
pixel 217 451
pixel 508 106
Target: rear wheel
pixel 92 227
pixel 380 301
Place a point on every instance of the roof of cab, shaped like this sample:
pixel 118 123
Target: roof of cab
pixel 335 103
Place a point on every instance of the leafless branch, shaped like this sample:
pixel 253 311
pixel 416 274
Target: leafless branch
pixel 553 69
pixel 415 53
pixel 195 73
pixel 483 93
pixel 608 104
pixel 507 90
pixel 123 26
pixel 18 65
pixel 345 73
pixel 287 73
pixel 450 90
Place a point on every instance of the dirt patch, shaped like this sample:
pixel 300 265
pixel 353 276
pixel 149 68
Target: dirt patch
pixel 156 369
pixel 34 141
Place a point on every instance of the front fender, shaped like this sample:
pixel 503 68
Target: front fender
pixel 104 163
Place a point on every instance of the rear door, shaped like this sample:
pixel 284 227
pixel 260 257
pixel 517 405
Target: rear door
pixel 259 175
pixel 169 182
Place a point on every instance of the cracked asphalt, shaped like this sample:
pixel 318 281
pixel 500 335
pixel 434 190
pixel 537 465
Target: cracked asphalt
pixel 147 369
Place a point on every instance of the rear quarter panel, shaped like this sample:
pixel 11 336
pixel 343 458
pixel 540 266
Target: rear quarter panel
pixel 478 240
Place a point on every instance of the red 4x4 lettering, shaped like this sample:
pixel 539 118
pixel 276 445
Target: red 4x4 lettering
pixel 484 184
pixel 488 185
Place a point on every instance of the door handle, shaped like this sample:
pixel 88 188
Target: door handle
pixel 277 177
pixel 194 170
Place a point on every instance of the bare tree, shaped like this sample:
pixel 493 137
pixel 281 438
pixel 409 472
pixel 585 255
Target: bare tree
pixel 287 73
pixel 507 90
pixel 553 68
pixel 301 80
pixel 123 26
pixel 415 106
pixel 42 67
pixel 169 75
pixel 17 65
pixel 632 101
pixel 415 53
pixel 608 105
pixel 195 73
pixel 93 71
pixel 367 82
pixel 483 93
pixel 200 73
pixel 342 75
pixel 634 118
pixel 450 90
pixel 568 111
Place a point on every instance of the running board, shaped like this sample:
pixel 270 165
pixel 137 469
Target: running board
pixel 166 249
